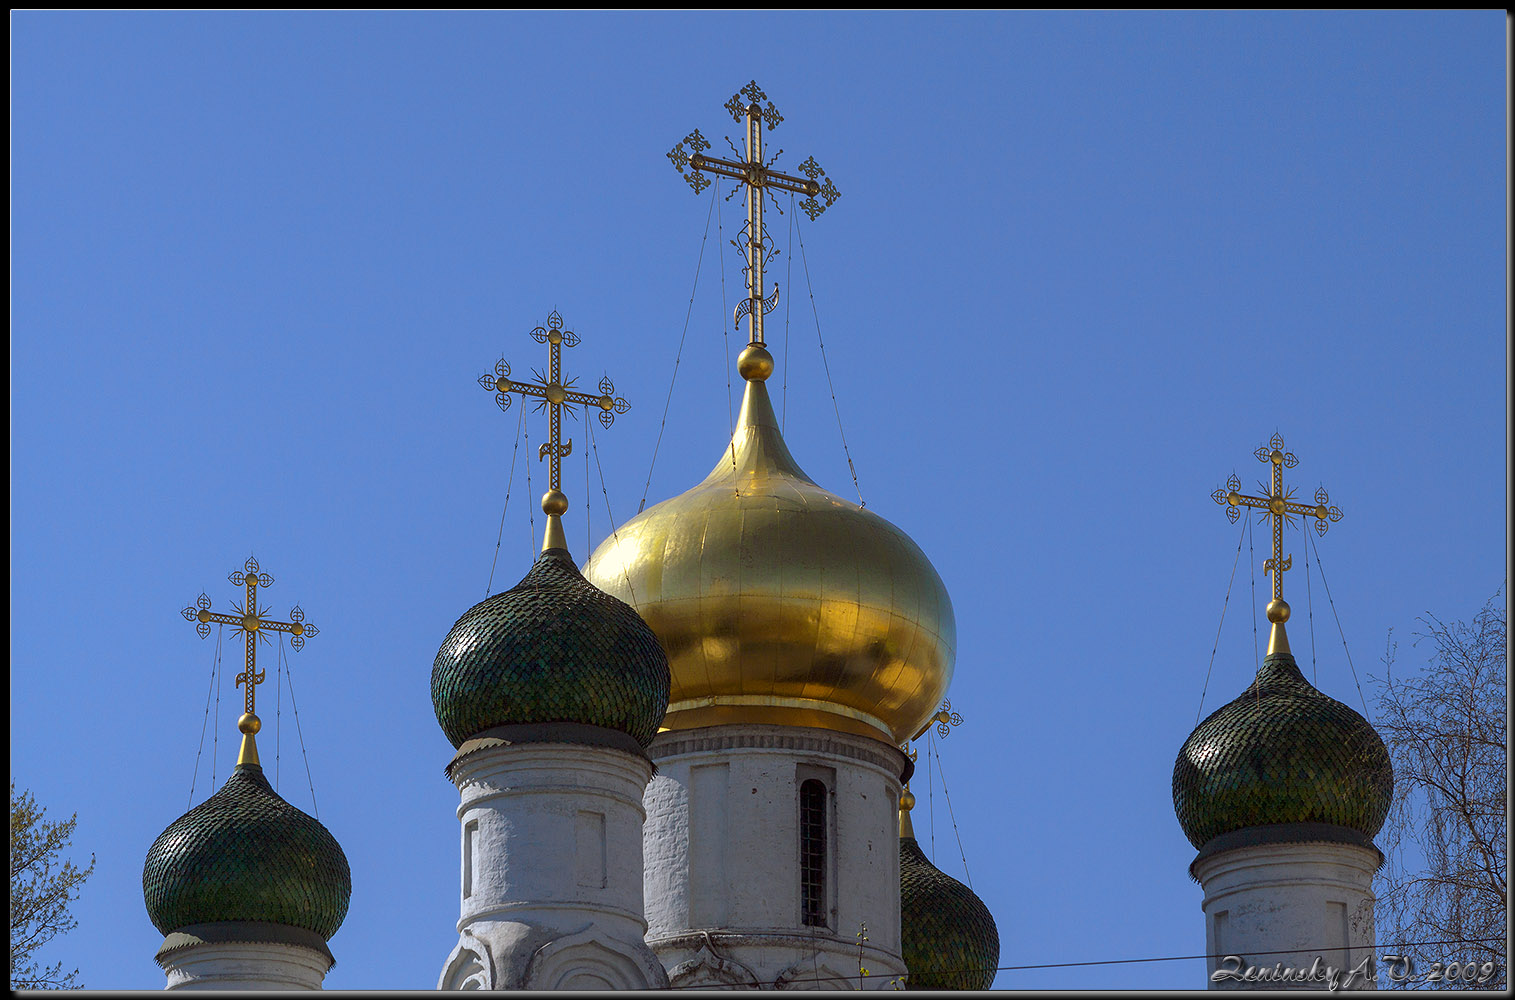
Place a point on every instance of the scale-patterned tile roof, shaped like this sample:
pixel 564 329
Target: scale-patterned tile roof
pixel 553 648
pixel 948 937
pixel 1283 752
pixel 246 854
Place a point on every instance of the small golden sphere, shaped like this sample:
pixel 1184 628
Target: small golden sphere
pixel 606 403
pixel 249 724
pixel 1321 512
pixel 754 363
pixel 1278 611
pixel 555 393
pixel 1233 498
pixel 204 615
pixel 251 622
pixel 554 337
pixel 554 502
pixel 907 800
pixel 1276 457
pixel 502 384
pixel 298 629
pixel 1276 505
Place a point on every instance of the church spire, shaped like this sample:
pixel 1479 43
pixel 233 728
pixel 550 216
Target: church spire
pixel 757 248
pixel 252 625
pixel 1279 505
pixel 552 391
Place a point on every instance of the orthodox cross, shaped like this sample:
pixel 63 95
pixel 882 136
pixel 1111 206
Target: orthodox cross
pixel 757 175
pixel 552 392
pixel 250 623
pixel 1279 505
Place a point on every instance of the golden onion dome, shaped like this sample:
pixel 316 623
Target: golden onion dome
pixel 778 601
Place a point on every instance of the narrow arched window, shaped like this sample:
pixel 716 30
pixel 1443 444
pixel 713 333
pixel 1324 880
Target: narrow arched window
pixel 813 853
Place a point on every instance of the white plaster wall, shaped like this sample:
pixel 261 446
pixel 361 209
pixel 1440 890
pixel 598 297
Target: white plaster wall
pixel 550 847
pixel 722 853
pixel 237 965
pixel 1293 898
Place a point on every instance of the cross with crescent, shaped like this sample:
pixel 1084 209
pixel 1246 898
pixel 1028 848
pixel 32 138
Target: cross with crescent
pixel 758 176
pixel 1279 505
pixel 252 625
pixel 552 391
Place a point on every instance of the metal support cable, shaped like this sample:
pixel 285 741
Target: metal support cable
pixel 215 673
pixel 1325 583
pixel 1310 612
pixel 679 356
pixel 805 263
pixel 1252 566
pixel 726 345
pixel 614 531
pixel 946 795
pixel 289 679
pixel 1223 607
pixel 520 426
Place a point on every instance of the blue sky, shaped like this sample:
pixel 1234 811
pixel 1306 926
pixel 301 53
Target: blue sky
pixel 1083 264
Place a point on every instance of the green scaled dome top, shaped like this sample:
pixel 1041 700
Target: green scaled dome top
pixel 1281 753
pixel 246 854
pixel 948 937
pixel 553 648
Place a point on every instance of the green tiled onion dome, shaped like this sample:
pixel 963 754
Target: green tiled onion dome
pixel 553 648
pixel 1281 753
pixel 948 937
pixel 246 854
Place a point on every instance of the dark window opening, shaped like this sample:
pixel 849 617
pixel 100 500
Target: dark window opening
pixel 813 853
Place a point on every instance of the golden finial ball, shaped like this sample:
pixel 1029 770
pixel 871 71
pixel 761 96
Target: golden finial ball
pixel 249 724
pixel 1278 611
pixel 554 502
pixel 907 800
pixel 754 363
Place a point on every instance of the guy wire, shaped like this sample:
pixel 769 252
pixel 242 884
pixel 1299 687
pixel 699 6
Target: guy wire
pixel 1225 604
pixel 520 426
pixel 1327 584
pixel 1310 609
pixel 531 516
pixel 1252 567
pixel 946 795
pixel 215 669
pixel 680 355
pixel 726 345
pixel 788 301
pixel 614 532
pixel 289 679
pixel 805 263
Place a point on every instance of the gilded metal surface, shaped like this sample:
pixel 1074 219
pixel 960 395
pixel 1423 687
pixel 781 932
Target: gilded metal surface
pixel 757 175
pixel 1282 752
pixel 246 854
pixel 552 649
pixel 552 391
pixel 251 624
pixel 780 602
pixel 1278 505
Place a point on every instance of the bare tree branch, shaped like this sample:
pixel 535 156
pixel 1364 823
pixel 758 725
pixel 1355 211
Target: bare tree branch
pixel 1446 726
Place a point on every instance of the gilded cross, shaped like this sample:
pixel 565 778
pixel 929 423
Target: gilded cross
pixel 757 175
pixel 253 625
pixel 1279 505
pixel 551 391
